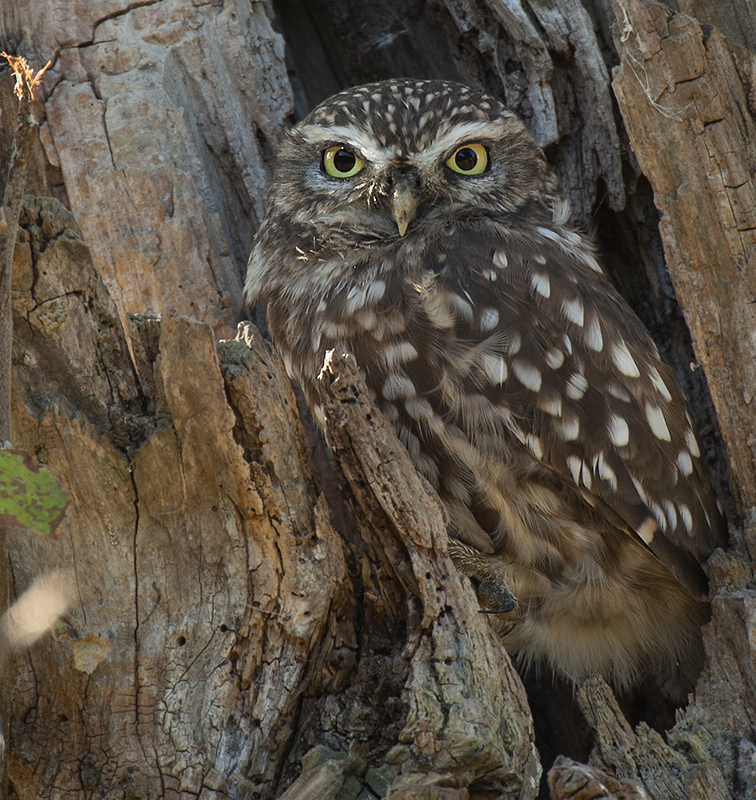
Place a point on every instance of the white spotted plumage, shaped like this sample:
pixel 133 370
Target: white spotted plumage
pixel 522 385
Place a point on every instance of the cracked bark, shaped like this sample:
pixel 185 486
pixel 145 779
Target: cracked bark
pixel 247 624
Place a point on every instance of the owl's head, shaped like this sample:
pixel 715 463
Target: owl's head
pixel 388 159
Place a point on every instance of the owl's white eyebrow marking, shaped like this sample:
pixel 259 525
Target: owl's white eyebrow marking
pixel 359 139
pixel 455 135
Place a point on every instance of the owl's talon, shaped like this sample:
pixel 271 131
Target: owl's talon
pixel 505 609
pixel 495 598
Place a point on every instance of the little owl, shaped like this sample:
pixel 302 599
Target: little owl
pixel 416 225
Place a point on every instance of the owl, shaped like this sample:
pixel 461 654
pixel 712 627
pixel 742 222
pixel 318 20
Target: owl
pixel 416 225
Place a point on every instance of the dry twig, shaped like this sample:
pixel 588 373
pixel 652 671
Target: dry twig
pixel 26 79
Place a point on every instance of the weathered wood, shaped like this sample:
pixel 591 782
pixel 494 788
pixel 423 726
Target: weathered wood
pixel 205 580
pixel 644 763
pixel 224 630
pixel 168 206
pixel 687 101
pixel 571 780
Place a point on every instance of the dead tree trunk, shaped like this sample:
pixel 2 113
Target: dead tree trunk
pixel 247 626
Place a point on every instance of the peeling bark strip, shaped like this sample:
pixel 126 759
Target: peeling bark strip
pixel 687 101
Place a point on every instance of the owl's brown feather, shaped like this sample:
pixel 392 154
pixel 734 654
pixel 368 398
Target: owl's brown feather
pixel 523 386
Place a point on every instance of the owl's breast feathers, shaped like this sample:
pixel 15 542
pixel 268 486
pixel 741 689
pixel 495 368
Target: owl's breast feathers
pixel 525 389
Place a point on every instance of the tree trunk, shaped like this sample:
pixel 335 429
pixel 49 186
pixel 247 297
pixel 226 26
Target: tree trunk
pixel 257 616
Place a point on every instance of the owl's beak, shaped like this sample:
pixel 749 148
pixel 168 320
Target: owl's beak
pixel 404 203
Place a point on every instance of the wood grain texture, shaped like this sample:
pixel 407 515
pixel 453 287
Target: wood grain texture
pixel 205 568
pixel 687 101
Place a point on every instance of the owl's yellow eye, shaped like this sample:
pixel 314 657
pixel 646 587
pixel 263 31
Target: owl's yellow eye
pixel 341 162
pixel 470 159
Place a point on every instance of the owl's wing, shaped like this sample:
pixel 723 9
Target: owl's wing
pixel 528 323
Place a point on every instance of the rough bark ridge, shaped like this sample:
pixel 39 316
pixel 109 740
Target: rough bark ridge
pixel 688 103
pixel 225 630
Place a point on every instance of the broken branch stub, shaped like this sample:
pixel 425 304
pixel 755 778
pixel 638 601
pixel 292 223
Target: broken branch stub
pixel 468 722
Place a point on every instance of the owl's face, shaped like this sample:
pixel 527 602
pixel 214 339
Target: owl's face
pixel 396 158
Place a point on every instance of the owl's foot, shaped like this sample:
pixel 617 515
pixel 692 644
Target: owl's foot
pixel 496 598
pixel 490 575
